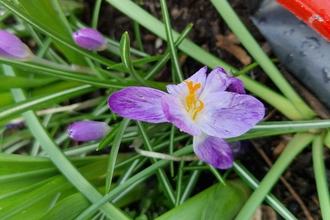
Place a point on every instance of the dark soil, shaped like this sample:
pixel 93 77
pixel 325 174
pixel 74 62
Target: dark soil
pixel 207 25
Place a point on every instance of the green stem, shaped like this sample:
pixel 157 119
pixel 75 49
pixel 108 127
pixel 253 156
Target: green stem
pixel 296 145
pixel 96 13
pixel 321 177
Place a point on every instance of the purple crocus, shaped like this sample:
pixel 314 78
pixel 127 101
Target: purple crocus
pixel 88 130
pixel 89 39
pixel 200 106
pixel 12 47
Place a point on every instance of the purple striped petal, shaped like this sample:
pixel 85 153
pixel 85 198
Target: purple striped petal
pixel 228 114
pixel 216 81
pixel 176 113
pixel 214 151
pixel 181 90
pixel 138 103
pixel 88 130
pixel 237 86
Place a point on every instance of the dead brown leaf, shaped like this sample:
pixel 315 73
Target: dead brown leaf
pixel 230 44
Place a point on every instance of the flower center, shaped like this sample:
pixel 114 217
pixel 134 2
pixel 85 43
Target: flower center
pixel 194 105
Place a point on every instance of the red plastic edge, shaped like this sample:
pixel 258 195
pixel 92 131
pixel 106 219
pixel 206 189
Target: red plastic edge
pixel 313 12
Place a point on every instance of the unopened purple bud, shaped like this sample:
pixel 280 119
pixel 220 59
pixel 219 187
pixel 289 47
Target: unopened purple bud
pixel 88 130
pixel 90 39
pixel 12 47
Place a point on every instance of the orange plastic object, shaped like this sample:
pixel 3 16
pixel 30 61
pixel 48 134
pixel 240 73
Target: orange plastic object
pixel 315 13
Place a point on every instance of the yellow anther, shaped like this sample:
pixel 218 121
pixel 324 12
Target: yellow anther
pixel 194 105
pixel 192 88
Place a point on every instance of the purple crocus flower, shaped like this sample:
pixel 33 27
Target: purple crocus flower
pixel 199 106
pixel 88 130
pixel 12 47
pixel 90 39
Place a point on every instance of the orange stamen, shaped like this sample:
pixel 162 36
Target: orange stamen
pixel 194 105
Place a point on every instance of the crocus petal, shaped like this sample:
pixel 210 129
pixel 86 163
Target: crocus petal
pixel 90 39
pixel 88 130
pixel 227 114
pixel 236 85
pixel 12 47
pixel 216 81
pixel 214 151
pixel 176 113
pixel 181 90
pixel 138 103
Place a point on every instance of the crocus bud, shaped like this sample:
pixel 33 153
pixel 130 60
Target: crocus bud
pixel 90 39
pixel 88 130
pixel 12 47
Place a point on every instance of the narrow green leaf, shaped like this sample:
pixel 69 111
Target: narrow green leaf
pixel 321 177
pixel 250 180
pixel 295 146
pixel 157 67
pixel 170 42
pixel 109 138
pixel 46 13
pixel 7 82
pixel 42 101
pixel 245 37
pixel 60 160
pixel 131 182
pixel 160 172
pixel 126 59
pixel 114 152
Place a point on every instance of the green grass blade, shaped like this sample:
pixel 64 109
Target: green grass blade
pixel 114 152
pixel 160 172
pixel 229 15
pixel 141 176
pixel 126 59
pixel 295 146
pixel 170 42
pixel 46 13
pixel 321 177
pixel 157 67
pixel 59 159
pixel 42 101
pixel 250 180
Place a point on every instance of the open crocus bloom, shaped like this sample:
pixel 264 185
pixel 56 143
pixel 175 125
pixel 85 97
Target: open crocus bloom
pixel 199 106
